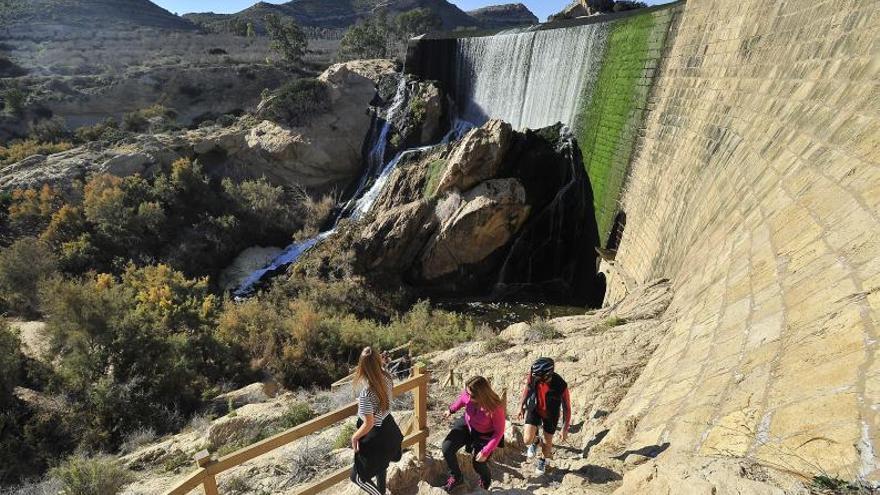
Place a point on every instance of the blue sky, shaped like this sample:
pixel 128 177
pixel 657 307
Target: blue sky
pixel 541 8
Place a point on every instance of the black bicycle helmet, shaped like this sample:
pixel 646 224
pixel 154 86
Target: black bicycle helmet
pixel 543 366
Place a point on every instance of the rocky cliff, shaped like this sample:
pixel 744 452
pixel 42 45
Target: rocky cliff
pixel 504 16
pixel 321 154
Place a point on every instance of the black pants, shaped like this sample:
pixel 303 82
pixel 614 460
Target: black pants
pixel 377 488
pixel 461 436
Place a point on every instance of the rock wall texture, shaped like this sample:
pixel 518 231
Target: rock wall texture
pixel 755 188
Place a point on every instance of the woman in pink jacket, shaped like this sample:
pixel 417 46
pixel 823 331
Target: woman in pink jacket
pixel 481 431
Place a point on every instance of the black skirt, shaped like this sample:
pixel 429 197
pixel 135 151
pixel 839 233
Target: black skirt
pixel 379 448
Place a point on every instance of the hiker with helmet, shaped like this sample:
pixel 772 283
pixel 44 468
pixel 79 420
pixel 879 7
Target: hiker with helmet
pixel 377 441
pixel 544 397
pixel 480 431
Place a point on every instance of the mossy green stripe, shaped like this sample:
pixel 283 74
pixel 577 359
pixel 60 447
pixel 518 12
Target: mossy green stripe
pixel 606 125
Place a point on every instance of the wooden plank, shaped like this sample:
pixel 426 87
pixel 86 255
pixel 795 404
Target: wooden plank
pixel 246 454
pixel 188 484
pixel 325 483
pixel 211 486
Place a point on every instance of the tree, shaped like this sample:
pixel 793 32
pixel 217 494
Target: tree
pixel 287 39
pixel 372 38
pixel 416 22
pixel 23 266
pixel 251 32
pixel 13 100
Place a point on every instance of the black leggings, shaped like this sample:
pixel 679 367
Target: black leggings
pixel 377 488
pixel 460 436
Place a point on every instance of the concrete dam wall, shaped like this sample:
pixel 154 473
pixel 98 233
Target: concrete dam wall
pixel 742 141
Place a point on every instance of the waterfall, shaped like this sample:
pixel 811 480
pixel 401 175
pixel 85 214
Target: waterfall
pixel 531 79
pixel 363 198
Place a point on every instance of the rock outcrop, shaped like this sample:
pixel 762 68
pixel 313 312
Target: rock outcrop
pixel 323 154
pixel 452 218
pixel 504 16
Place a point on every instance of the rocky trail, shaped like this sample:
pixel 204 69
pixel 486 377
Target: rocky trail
pixel 600 354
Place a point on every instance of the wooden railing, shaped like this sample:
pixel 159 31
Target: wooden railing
pixel 209 468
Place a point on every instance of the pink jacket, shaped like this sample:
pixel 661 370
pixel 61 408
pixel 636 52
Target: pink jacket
pixel 481 421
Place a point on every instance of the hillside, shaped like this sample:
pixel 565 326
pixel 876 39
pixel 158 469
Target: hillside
pixel 336 15
pixel 94 14
pixel 504 16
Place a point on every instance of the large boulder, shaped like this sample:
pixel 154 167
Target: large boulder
pixel 475 225
pixel 477 158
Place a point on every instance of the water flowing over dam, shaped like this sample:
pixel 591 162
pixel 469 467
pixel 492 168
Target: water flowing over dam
pixel 530 79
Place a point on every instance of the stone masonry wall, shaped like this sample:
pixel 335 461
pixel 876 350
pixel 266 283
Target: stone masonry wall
pixel 755 188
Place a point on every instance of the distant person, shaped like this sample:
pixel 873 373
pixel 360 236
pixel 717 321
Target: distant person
pixel 544 397
pixel 377 441
pixel 480 431
pixel 403 367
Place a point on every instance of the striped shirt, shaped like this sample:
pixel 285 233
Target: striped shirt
pixel 368 403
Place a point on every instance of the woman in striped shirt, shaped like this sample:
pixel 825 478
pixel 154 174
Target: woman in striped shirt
pixel 377 441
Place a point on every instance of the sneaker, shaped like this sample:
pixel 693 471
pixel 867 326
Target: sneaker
pixel 451 484
pixel 541 468
pixel 532 450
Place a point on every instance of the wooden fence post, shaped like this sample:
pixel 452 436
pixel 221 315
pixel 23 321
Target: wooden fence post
pixel 421 410
pixel 203 459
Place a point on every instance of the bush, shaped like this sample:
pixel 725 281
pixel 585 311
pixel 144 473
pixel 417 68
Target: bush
pixel 23 266
pixel 296 415
pixel 140 120
pixel 108 131
pixel 19 150
pixel 541 330
pixel 52 130
pixel 13 101
pixel 134 352
pixel 496 344
pixel 98 476
pixel 297 102
pixel 343 438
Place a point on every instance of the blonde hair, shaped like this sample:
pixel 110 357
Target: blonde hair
pixel 371 371
pixel 481 392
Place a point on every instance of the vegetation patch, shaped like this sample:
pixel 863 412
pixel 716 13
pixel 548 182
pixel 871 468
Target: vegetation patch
pixel 496 344
pixel 606 124
pixel 19 150
pixel 297 414
pixel 541 330
pixel 435 173
pixel 297 102
pixel 98 476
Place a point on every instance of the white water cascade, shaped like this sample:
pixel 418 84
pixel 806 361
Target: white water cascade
pixel 531 79
pixel 363 198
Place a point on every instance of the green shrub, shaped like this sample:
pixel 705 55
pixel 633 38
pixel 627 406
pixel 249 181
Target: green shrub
pixel 13 101
pixel 105 131
pixel 297 102
pixel 613 322
pixel 98 476
pixel 297 414
pixel 52 130
pixel 23 266
pixel 343 438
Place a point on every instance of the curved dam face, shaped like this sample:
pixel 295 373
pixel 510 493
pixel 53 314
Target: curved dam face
pixel 755 188
pixel 742 141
